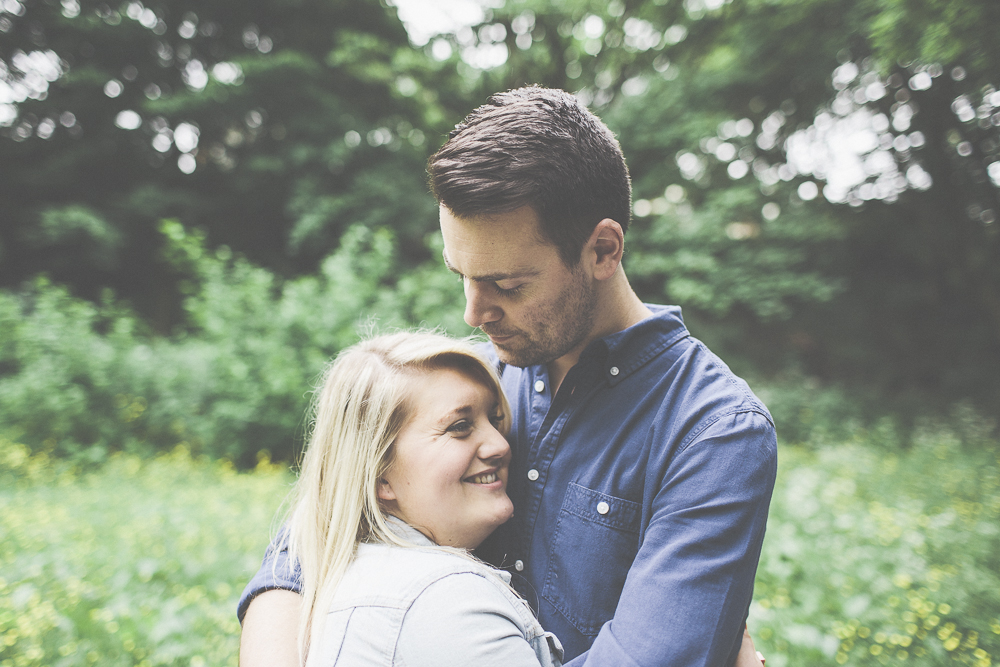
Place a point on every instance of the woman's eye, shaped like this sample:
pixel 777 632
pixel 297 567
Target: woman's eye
pixel 461 426
pixel 496 420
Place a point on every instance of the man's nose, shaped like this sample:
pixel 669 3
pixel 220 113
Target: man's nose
pixel 479 307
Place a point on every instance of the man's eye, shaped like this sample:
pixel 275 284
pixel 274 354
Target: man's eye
pixel 510 291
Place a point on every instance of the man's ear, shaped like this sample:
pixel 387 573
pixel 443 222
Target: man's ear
pixel 384 490
pixel 607 244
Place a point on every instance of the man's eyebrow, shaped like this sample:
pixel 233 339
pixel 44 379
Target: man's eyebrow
pixel 448 264
pixel 491 277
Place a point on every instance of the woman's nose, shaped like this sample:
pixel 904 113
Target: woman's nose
pixel 494 446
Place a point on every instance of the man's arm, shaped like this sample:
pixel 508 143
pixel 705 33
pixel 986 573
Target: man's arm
pixel 689 588
pixel 270 630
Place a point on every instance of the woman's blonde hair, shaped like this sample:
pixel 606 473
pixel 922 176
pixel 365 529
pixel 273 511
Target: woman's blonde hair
pixel 356 415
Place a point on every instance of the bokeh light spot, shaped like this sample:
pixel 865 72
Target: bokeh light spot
pixel 808 190
pixel 186 163
pixel 113 88
pixel 126 120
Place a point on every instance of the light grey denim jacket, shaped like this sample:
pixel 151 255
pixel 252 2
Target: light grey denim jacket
pixel 424 607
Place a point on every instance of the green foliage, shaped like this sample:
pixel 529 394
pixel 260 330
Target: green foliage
pixel 930 31
pixel 135 563
pixel 871 555
pixel 874 557
pixel 84 380
pixel 288 120
pixel 305 120
pixel 77 233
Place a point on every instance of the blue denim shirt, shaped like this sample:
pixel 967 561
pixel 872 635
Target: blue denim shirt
pixel 422 606
pixel 640 496
pixel 640 500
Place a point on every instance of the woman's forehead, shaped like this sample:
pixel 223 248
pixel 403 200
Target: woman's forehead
pixel 448 383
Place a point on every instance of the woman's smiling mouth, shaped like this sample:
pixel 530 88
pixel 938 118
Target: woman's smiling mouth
pixel 482 478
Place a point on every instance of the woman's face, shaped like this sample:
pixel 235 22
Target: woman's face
pixel 448 476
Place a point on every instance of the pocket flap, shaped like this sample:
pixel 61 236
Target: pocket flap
pixel 602 509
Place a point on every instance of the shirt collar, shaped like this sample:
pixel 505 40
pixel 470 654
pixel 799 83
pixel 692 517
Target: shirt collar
pixel 621 353
pixel 405 531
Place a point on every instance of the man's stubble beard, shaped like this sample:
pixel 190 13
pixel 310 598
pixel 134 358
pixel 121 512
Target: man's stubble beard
pixel 562 326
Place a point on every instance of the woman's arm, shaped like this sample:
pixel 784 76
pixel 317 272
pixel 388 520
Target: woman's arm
pixel 748 656
pixel 270 630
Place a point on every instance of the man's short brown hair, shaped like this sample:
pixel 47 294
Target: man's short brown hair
pixel 536 147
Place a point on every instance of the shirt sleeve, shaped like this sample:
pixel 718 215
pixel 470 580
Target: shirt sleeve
pixel 276 572
pixel 463 619
pixel 688 591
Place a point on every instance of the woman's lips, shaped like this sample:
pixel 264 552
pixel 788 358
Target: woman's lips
pixel 489 479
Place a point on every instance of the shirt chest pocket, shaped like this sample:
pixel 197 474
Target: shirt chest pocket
pixel 595 541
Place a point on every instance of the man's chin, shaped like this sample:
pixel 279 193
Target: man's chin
pixel 515 357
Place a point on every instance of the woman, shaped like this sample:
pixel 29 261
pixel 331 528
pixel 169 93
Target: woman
pixel 404 473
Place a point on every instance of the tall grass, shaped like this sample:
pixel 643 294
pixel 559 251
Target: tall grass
pixel 134 563
pixel 878 556
pixel 873 556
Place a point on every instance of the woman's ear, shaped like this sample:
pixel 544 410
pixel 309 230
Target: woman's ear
pixel 385 491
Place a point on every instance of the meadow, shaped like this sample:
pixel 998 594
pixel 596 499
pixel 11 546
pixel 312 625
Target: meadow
pixel 137 562
pixel 205 202
pixel 874 555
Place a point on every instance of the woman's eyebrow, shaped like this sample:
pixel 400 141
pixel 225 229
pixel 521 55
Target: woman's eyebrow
pixel 457 412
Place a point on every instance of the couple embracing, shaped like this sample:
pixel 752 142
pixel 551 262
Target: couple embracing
pixel 611 470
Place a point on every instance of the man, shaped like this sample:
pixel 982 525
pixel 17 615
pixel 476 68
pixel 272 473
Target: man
pixel 643 467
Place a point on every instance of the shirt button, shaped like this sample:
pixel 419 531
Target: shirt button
pixel 519 565
pixel 532 474
pixel 602 507
pixel 614 370
pixel 539 386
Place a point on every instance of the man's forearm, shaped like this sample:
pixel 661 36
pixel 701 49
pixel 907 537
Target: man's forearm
pixel 270 630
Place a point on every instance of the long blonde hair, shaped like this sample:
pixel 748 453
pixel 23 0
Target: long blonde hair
pixel 359 410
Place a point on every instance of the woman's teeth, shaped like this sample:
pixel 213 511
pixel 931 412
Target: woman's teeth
pixel 486 478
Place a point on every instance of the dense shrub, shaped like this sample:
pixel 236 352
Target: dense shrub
pixel 84 380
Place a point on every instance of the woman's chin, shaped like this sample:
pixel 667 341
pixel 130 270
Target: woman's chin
pixel 504 512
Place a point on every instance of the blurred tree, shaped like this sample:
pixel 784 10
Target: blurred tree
pixel 815 180
pixel 272 126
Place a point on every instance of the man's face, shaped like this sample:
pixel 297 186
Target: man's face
pixel 517 289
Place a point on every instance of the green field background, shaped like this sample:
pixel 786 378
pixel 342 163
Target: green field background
pixel 872 556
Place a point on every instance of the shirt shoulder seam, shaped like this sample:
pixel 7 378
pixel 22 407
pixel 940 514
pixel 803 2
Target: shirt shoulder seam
pixel 697 433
